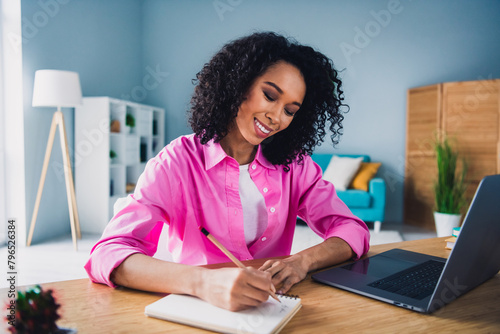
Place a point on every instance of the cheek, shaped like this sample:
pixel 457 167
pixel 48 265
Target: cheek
pixel 285 122
pixel 244 117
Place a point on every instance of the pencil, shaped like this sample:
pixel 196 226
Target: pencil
pixel 229 255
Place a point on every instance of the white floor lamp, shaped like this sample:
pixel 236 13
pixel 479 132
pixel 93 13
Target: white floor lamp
pixel 54 88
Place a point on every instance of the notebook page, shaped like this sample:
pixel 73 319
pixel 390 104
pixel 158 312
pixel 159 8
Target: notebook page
pixel 269 317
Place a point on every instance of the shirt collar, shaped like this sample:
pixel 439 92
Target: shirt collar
pixel 261 159
pixel 214 154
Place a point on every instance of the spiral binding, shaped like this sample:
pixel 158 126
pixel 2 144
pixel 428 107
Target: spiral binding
pixel 286 295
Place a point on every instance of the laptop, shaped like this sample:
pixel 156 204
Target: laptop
pixel 425 283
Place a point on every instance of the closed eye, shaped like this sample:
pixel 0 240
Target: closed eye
pixel 269 97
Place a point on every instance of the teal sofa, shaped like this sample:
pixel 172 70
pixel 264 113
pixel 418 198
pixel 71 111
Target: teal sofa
pixel 367 205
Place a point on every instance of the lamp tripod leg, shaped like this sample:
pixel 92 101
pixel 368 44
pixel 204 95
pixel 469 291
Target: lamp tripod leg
pixel 68 177
pixel 72 192
pixel 46 160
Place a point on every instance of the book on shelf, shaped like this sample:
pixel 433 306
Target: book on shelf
pixel 269 317
pixel 450 242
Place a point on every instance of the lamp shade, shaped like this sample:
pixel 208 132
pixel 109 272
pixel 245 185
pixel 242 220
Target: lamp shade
pixel 55 88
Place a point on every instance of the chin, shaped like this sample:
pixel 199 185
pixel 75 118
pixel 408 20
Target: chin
pixel 256 142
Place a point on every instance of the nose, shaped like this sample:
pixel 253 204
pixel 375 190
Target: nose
pixel 273 115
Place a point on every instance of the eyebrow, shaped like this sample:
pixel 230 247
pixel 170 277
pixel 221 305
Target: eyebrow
pixel 280 91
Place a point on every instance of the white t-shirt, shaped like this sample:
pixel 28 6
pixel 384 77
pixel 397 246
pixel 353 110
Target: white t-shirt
pixel 254 207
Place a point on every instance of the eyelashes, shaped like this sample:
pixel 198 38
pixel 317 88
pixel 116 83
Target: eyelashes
pixel 269 97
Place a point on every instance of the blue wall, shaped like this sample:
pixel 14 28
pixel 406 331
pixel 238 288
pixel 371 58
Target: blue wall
pixel 101 40
pixel 115 44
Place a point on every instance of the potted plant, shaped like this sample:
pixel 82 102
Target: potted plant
pixel 112 156
pixel 130 122
pixel 36 311
pixel 449 189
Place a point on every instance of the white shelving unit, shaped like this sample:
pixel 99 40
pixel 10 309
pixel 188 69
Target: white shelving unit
pixel 100 180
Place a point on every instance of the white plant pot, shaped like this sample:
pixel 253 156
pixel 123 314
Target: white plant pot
pixel 445 223
pixel 128 130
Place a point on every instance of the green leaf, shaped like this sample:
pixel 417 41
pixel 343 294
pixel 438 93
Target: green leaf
pixel 450 186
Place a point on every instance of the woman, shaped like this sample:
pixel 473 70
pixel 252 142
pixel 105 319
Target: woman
pixel 258 110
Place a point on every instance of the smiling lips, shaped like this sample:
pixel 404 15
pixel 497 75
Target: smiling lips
pixel 264 130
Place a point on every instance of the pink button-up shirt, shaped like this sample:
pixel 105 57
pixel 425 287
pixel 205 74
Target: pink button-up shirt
pixel 188 185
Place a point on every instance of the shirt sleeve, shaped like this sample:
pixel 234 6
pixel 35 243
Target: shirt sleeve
pixel 324 211
pixel 135 228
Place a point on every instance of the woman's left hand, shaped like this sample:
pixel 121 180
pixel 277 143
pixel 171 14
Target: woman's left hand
pixel 286 272
pixel 291 270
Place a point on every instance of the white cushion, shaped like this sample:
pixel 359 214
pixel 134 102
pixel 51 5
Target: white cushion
pixel 341 171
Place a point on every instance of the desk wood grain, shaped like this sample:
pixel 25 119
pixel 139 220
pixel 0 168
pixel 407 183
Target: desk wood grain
pixel 95 308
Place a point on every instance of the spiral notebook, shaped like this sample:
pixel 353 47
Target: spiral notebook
pixel 269 317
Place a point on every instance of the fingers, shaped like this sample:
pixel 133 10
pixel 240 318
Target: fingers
pixel 243 301
pixel 236 289
pixel 287 285
pixel 278 270
pixel 273 267
pixel 252 287
pixel 259 279
pixel 285 279
pixel 267 265
pixel 285 273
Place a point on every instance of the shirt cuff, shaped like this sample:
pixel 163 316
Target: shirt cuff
pixel 104 260
pixel 356 236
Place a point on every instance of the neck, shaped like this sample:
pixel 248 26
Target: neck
pixel 241 150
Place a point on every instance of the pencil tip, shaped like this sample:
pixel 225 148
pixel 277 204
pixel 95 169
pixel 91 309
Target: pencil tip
pixel 205 232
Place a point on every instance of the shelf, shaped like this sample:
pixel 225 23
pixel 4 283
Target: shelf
pixel 100 181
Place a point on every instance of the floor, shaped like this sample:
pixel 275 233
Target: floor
pixel 56 260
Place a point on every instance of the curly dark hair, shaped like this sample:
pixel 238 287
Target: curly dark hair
pixel 223 82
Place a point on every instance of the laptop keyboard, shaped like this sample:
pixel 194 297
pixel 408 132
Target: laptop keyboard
pixel 416 282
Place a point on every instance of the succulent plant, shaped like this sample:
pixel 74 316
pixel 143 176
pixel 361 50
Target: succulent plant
pixel 36 312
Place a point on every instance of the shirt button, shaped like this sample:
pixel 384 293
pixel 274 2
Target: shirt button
pixel 272 209
pixel 265 190
pixel 263 239
pixel 254 166
pixel 235 212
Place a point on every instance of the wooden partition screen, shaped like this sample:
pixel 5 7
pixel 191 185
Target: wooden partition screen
pixel 468 113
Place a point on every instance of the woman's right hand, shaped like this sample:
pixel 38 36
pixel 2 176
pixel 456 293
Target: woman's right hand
pixel 235 289
pixel 229 288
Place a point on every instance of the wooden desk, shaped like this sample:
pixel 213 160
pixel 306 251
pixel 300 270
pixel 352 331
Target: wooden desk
pixel 95 308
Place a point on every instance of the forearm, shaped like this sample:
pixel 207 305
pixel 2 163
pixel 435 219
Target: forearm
pixel 143 272
pixel 230 288
pixel 328 253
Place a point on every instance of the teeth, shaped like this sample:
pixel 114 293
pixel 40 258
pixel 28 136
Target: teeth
pixel 261 127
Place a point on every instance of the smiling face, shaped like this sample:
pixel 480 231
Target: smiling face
pixel 270 103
